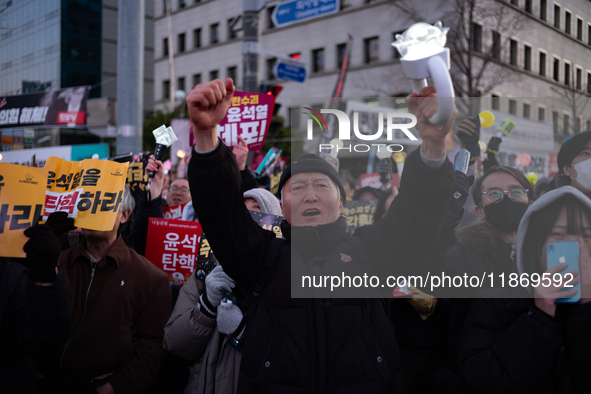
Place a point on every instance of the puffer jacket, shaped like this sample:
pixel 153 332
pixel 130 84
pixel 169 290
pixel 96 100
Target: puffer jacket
pixel 191 335
pixel 313 345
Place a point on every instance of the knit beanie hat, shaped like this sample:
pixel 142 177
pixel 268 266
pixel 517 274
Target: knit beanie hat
pixel 311 163
pixel 267 201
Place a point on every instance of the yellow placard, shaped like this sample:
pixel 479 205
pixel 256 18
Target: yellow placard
pixel 22 193
pixel 90 191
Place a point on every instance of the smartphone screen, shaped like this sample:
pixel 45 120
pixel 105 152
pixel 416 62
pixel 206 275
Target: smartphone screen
pixel 565 252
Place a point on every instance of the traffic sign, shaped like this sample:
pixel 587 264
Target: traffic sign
pixel 290 71
pixel 294 11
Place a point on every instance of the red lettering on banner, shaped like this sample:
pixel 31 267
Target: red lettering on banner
pixel 68 117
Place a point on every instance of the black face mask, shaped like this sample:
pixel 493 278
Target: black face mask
pixel 505 215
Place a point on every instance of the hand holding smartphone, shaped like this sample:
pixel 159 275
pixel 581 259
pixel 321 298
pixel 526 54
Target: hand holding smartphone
pixel 558 253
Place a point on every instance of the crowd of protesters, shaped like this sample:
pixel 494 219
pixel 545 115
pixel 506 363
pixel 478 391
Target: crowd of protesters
pixel 86 312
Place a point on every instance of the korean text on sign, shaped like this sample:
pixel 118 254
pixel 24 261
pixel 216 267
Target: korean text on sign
pixel 172 245
pixel 249 116
pixel 90 191
pixel 22 192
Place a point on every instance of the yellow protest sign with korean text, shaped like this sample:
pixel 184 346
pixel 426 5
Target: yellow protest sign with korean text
pixel 22 193
pixel 90 191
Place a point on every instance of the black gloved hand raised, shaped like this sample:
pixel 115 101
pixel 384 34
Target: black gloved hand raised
pixel 462 184
pixel 60 224
pixel 469 135
pixel 384 168
pixel 494 145
pixel 43 251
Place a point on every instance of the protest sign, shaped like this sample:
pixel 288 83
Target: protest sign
pixel 137 179
pixel 22 192
pixel 90 191
pixel 173 212
pixel 172 245
pixel 206 261
pixel 249 116
pixel 358 213
pixel 373 180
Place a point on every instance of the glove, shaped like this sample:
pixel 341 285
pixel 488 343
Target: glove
pixel 43 251
pixel 493 145
pixel 384 168
pixel 60 224
pixel 216 284
pixel 462 184
pixel 229 317
pixel 469 134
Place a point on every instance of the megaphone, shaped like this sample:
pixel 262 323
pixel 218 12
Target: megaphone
pixel 423 56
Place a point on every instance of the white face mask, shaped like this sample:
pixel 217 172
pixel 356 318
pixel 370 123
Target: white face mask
pixel 583 173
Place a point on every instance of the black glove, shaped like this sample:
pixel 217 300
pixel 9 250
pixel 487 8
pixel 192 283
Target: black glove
pixel 384 168
pixel 494 145
pixel 43 251
pixel 60 224
pixel 469 135
pixel 462 184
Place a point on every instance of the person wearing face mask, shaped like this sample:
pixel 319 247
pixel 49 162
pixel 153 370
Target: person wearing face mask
pixel 501 195
pixel 574 162
pixel 525 342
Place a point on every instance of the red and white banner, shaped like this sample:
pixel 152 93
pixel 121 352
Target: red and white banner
pixel 173 212
pixel 249 116
pixel 373 180
pixel 71 117
pixel 173 245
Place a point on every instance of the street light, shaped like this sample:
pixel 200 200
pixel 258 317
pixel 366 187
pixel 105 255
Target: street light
pixel 423 56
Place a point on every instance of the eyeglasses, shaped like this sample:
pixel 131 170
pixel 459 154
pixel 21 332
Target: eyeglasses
pixel 517 194
pixel 183 190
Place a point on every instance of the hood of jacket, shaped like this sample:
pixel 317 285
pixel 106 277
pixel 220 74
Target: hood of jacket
pixel 267 201
pixel 538 205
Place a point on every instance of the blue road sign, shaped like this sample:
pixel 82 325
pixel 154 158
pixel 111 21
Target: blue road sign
pixel 293 11
pixel 290 71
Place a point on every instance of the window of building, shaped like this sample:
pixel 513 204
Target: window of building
pixel 566 124
pixel 579 79
pixel 231 32
pixel 270 24
pixel 542 64
pixel 515 2
pixel 270 65
pixel 513 107
pixel 214 74
pixel 556 70
pixel 196 79
pixel 567 21
pixel 181 43
pixel 165 89
pixel 543 8
pixel 579 29
pixel 526 110
pixel 496 102
pixel 557 16
pixel 589 125
pixel 541 114
pixel 231 73
pixel 528 6
pixel 577 125
pixel 182 3
pixel 589 83
pixel 476 37
pixel 513 53
pixel 496 45
pixel 527 58
pixel 566 74
pixel 341 50
pixel 197 38
pixel 214 33
pixel 555 116
pixel 589 35
pixel 165 47
pixel 180 85
pixel 318 60
pixel 371 50
pixel 345 4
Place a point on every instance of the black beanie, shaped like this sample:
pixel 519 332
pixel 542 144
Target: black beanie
pixel 311 163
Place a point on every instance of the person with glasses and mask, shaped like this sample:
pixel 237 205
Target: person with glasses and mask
pixel 501 195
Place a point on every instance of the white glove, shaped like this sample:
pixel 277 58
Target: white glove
pixel 229 317
pixel 216 284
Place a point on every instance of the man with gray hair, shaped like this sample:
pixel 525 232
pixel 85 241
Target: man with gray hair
pixel 120 303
